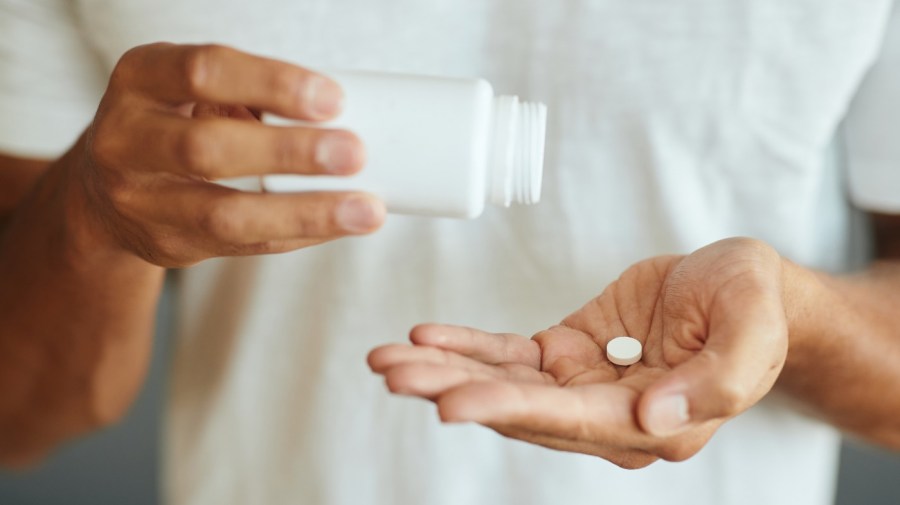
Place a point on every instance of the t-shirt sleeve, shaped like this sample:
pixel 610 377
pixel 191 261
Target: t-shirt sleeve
pixel 50 78
pixel 872 130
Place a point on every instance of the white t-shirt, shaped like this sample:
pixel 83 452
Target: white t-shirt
pixel 672 124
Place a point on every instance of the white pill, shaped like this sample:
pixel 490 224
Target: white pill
pixel 624 351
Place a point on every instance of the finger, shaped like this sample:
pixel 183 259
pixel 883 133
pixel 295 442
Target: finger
pixel 491 348
pixel 568 353
pixel 227 222
pixel 429 380
pixel 177 74
pixel 382 358
pixel 595 419
pixel 598 414
pixel 208 110
pixel 737 366
pixel 631 459
pixel 277 246
pixel 215 148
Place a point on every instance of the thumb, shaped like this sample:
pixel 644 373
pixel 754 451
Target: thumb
pixel 738 364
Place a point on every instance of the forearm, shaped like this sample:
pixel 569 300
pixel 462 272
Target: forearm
pixel 844 354
pixel 76 320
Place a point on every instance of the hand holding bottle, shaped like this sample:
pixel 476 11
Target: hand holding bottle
pixel 83 253
pixel 174 119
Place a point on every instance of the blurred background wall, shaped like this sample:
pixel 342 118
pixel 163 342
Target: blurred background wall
pixel 120 465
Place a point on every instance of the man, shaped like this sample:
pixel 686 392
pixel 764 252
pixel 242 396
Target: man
pixel 673 124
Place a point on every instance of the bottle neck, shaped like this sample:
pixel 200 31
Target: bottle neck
pixel 516 162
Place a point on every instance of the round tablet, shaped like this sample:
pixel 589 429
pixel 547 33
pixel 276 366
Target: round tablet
pixel 624 351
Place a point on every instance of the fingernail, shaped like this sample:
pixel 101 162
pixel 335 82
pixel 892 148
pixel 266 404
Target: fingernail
pixel 668 415
pixel 324 98
pixel 339 153
pixel 360 214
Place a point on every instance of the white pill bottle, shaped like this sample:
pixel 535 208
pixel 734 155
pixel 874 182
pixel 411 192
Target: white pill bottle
pixel 435 146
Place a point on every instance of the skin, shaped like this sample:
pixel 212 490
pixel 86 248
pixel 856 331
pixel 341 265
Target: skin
pixel 86 239
pixel 721 328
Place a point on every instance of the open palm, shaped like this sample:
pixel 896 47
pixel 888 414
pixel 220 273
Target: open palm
pixel 714 334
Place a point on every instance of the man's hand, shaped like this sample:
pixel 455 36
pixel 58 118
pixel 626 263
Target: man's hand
pixel 84 239
pixel 715 338
pixel 175 118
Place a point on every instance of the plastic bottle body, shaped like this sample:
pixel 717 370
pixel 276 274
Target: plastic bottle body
pixel 429 143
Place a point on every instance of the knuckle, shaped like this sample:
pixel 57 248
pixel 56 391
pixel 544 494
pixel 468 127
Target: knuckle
pixel 292 150
pixel 417 332
pixel 307 227
pixel 120 73
pixel 544 335
pixel 165 249
pixel 285 84
pixel 125 67
pixel 130 62
pixel 731 396
pixel 121 196
pixel 105 147
pixel 156 249
pixel 196 150
pixel 749 244
pixel 221 222
pixel 443 356
pixel 317 223
pixel 200 64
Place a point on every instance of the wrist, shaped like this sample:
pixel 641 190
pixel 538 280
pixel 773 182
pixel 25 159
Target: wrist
pixel 798 296
pixel 800 290
pixel 817 316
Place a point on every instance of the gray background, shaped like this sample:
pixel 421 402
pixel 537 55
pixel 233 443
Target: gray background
pixel 119 466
